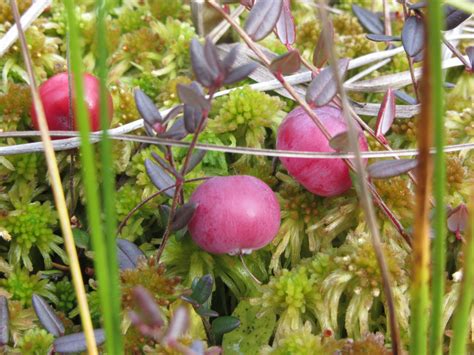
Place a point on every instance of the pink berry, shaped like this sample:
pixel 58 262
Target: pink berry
pixel 298 132
pixel 235 214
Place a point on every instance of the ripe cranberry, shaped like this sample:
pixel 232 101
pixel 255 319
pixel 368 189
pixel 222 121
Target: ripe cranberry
pixel 235 214
pixel 54 94
pixel 323 177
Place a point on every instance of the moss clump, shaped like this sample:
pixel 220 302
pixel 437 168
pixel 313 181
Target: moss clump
pixel 64 291
pixel 164 289
pixel 36 342
pixel 15 105
pixel 21 285
pixel 245 114
pixel 398 196
pixel 32 226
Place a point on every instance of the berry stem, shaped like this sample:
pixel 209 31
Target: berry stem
pixel 179 184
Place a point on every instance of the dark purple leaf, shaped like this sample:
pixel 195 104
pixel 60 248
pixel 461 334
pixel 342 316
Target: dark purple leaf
pixel 190 95
pixel 470 55
pixel 287 63
pixel 4 321
pixel 48 319
pixel 147 108
pixel 225 324
pixel 74 343
pixel 192 116
pixel 386 115
pixel 383 38
pixel 370 21
pixel 212 59
pixel 202 289
pixel 285 25
pixel 402 95
pixel 263 18
pixel 321 51
pixel 458 220
pixel 164 164
pixel 413 35
pixel 174 112
pixel 177 130
pixel 183 216
pixel 159 178
pixel 148 313
pixel 419 56
pixel 389 168
pixel 454 17
pixel 230 58
pixel 128 254
pixel 195 159
pixel 240 73
pixel 204 74
pixel 323 88
pixel 340 142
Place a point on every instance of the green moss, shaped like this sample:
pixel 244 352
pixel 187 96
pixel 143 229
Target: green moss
pixel 21 285
pixel 66 296
pixel 36 342
pixel 245 114
pixel 32 226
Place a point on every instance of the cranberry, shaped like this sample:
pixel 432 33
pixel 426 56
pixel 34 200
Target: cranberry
pixel 298 132
pixel 54 94
pixel 235 214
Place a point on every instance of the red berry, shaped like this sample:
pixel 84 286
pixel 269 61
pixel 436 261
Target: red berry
pixel 54 94
pixel 234 214
pixel 298 132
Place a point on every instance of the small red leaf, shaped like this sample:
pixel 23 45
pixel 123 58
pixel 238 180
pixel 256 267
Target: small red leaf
pixel 321 53
pixel 457 220
pixel 386 115
pixel 285 26
pixel 340 142
pixel 287 63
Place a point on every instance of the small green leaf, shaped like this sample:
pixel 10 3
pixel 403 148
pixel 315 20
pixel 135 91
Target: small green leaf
pixel 202 289
pixel 81 238
pixel 225 324
pixel 253 333
pixel 206 312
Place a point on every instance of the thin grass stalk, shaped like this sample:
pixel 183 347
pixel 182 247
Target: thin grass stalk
pixel 421 230
pixel 435 21
pixel 364 194
pixel 89 174
pixel 113 332
pixel 58 193
pixel 463 308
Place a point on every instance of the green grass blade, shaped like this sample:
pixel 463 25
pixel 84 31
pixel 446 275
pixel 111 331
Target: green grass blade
pixel 435 23
pixel 91 187
pixel 463 309
pixel 108 185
